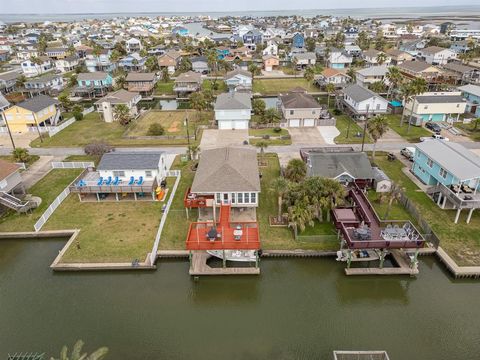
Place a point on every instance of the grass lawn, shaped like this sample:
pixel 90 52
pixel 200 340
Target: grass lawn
pixel 461 240
pixel 30 161
pixel 470 130
pixel 110 231
pixel 267 131
pixel 343 122
pixel 411 136
pixel 175 230
pixel 81 158
pixel 92 129
pixel 47 189
pixel 397 211
pixel 276 86
pixel 272 142
pixel 172 122
pixel 279 238
pixel 220 84
pixel 164 88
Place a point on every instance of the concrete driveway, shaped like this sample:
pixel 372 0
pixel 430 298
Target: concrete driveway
pixel 219 138
pixel 306 136
pixel 21 140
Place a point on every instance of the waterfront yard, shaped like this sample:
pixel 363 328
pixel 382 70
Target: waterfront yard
pixel 413 135
pixel 93 129
pixel 461 240
pixel 164 88
pixel 346 125
pixel 109 231
pixel 47 189
pixel 172 121
pixel 277 86
pixel 217 87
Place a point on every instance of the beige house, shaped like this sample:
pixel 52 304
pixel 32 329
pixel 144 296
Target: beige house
pixel 397 56
pixel 420 69
pixel 299 109
pixel 270 62
pixel 106 105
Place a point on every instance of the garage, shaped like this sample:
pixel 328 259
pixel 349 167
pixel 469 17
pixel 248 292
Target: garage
pixel 294 123
pixel 268 68
pixel 308 122
pixel 232 124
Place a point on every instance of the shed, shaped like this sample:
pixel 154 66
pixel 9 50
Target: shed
pixel 381 181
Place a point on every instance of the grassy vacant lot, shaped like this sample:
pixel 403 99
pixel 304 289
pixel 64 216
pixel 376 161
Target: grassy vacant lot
pixel 47 189
pixel 110 231
pixel 461 240
pixel 92 129
pixel 172 121
pixel 276 86
pixel 470 130
pixel 397 211
pixel 343 122
pixel 413 135
pixel 164 88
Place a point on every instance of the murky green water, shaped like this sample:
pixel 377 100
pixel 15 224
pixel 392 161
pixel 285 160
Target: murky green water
pixel 297 309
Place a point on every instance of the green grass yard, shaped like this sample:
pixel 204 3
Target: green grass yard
pixel 413 135
pixel 267 131
pixel 343 123
pixel 30 161
pixel 164 88
pixel 276 86
pixel 221 86
pixel 470 130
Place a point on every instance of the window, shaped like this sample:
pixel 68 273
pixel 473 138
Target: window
pixel 430 163
pixel 313 112
pixel 458 105
pixel 291 112
pixel 443 173
pixel 425 107
pixel 119 173
pixel 148 173
pixel 240 198
pixel 218 198
pixel 253 198
pixel 247 198
pixel 233 198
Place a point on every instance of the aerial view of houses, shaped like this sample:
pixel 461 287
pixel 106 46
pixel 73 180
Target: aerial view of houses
pixel 293 174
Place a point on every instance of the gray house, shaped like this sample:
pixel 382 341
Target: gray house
pixel 299 109
pixel 199 64
pixel 233 110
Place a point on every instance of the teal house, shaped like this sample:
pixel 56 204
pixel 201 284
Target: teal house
pixel 93 84
pixel 471 93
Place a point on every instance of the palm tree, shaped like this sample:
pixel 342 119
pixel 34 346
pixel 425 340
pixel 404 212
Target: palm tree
pixel 330 88
pixel 381 58
pixel 151 64
pixel 392 196
pixel 253 68
pixel 326 55
pixel 351 72
pixel 377 127
pixel 394 77
pixel 475 123
pixel 120 82
pixel 377 86
pixel 419 86
pixel 21 154
pixel 406 91
pixel 262 145
pixel 165 75
pixel 279 186
pixel 296 170
pixel 272 115
pixel 309 74
pixel 21 80
pixel 122 114
pixel 299 216
pixel 332 195
pixel 76 354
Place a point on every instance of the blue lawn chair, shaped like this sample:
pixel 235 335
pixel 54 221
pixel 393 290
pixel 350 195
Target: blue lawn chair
pixel 116 181
pixel 109 181
pixel 140 180
pixel 132 181
pixel 100 181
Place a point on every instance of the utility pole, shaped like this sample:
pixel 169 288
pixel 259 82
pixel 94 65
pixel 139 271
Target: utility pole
pixel 365 127
pixel 38 128
pixel 8 129
pixel 188 135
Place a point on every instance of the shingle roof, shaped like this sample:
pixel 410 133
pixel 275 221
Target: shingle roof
pixel 332 165
pixel 37 103
pixel 233 101
pixel 189 76
pixel 43 79
pixel 299 100
pixel 130 161
pixel 453 157
pixel 92 76
pixel 118 97
pixel 7 168
pixel 471 89
pixel 359 93
pixel 9 75
pixel 371 53
pixel 227 169
pixel 415 66
pixel 458 67
pixel 432 50
pixel 439 99
pixel 140 77
pixel 235 72
pixel 380 70
pixel 306 56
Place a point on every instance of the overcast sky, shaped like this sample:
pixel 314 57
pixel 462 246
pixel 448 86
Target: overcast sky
pixel 109 6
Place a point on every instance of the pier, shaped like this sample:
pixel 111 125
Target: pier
pixel 400 258
pixel 199 266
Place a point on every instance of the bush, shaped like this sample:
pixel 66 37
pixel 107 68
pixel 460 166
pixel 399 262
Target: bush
pixel 21 155
pixel 155 129
pixel 266 137
pixel 285 137
pixel 78 115
pixel 97 149
pixel 277 129
pixel 337 112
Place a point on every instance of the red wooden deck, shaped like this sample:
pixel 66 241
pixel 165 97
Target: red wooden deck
pixel 195 201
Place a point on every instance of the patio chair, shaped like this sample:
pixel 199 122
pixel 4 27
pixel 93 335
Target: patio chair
pixel 389 226
pixel 116 181
pixel 140 180
pixel 100 181
pixel 109 181
pixel 132 181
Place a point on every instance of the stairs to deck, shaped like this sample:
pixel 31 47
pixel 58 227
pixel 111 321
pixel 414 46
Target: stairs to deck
pixel 225 216
pixel 14 203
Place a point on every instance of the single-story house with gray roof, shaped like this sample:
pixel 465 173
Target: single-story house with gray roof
pixel 233 110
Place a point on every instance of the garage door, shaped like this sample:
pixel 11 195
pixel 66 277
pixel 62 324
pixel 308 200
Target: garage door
pixel 225 125
pixel 309 122
pixel 239 125
pixel 294 123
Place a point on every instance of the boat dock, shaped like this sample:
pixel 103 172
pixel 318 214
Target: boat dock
pixel 400 258
pixel 199 266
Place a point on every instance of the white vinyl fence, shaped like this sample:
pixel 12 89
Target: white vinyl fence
pixel 53 206
pixel 55 129
pixel 178 175
pixel 72 164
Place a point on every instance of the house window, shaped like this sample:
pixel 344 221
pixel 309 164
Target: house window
pixel 148 173
pixel 378 106
pixel 313 112
pixel 443 173
pixel 458 105
pixel 430 163
pixel 233 198
pixel 291 112
pixel 253 198
pixel 240 198
pixel 425 107
pixel 247 198
pixel 119 173
pixel 218 198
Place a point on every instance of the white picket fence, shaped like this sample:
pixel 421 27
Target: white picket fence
pixel 72 164
pixel 53 206
pixel 178 175
pixel 55 129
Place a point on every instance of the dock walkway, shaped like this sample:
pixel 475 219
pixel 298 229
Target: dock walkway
pixel 400 258
pixel 200 267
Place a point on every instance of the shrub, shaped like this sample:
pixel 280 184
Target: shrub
pixel 285 137
pixel 337 112
pixel 155 129
pixel 97 149
pixel 266 137
pixel 21 155
pixel 78 115
pixel 277 129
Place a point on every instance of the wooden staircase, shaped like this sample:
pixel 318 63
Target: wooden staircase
pixel 14 203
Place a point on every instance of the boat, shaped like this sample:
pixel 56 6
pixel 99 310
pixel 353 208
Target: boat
pixel 234 255
pixel 358 255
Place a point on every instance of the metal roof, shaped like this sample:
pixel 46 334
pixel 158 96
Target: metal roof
pixel 130 161
pixel 471 89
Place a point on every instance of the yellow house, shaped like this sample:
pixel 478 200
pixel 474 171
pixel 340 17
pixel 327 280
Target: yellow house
pixel 41 110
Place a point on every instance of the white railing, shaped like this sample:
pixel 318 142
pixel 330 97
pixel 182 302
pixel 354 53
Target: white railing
pixel 178 175
pixel 89 110
pixel 53 206
pixel 72 164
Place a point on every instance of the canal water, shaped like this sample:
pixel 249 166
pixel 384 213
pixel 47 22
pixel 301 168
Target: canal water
pixel 296 309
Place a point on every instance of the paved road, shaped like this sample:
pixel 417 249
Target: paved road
pixel 79 151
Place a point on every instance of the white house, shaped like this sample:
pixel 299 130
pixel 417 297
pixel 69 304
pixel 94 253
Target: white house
pixel 371 57
pixel 238 79
pixel 133 45
pixel 304 59
pixel 367 76
pixel 107 104
pixel 233 110
pixel 31 69
pixel 360 101
pixel 436 55
pixel 66 64
pixel 332 76
pixel 10 179
pixel 339 59
pixel 271 48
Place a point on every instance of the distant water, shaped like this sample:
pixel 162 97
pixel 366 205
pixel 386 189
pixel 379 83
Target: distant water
pixel 393 13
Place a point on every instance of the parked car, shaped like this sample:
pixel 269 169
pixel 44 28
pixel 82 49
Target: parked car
pixel 434 137
pixel 433 126
pixel 408 152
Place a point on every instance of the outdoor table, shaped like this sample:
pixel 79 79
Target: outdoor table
pixel 396 232
pixel 362 233
pixel 237 234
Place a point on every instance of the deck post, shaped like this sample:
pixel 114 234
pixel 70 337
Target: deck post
pixel 349 258
pixel 444 202
pixel 214 213
pixel 469 217
pixel 190 256
pixel 116 196
pixel 186 212
pixel 224 261
pixel 458 215
pixel 98 197
pixel 135 196
pixel 439 200
pixel 414 261
pixel 256 258
pixel 79 197
pixel 382 257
